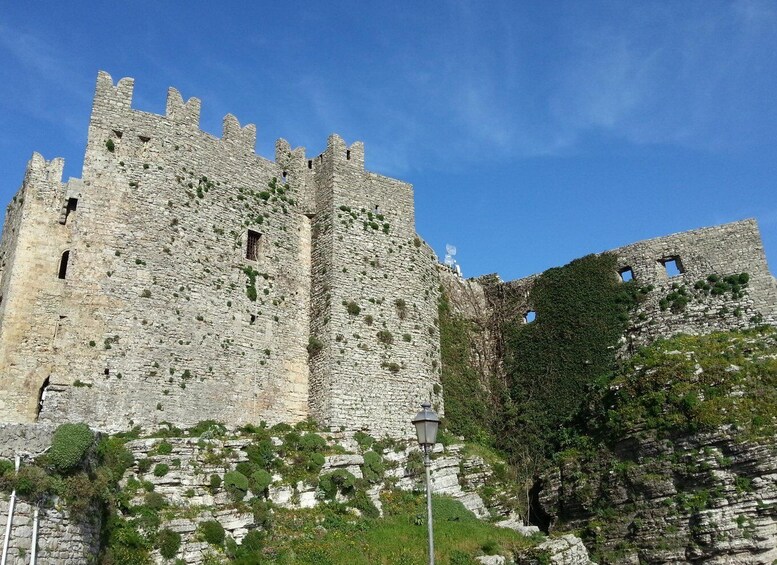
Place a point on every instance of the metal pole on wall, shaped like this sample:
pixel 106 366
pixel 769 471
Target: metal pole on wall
pixel 427 467
pixel 34 551
pixel 9 523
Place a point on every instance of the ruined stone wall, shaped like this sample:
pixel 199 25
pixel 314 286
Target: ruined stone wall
pixel 468 299
pixel 728 249
pixel 30 255
pixel 154 320
pixel 60 541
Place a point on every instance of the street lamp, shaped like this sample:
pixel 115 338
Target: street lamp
pixel 426 423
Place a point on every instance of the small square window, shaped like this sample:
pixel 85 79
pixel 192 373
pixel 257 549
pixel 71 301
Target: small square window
pixel 252 245
pixel 530 316
pixel 673 266
pixel 626 274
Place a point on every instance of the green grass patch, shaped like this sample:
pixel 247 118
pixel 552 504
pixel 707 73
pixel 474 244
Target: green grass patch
pixel 398 538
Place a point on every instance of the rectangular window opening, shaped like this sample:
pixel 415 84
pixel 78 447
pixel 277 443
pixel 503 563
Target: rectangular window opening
pixel 310 163
pixel 72 204
pixel 673 266
pixel 252 245
pixel 626 274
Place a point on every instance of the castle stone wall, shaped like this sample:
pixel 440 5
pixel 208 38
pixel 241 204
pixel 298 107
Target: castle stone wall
pixel 196 271
pixel 728 249
pixel 375 303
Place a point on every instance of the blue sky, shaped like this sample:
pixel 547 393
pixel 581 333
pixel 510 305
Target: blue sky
pixel 534 132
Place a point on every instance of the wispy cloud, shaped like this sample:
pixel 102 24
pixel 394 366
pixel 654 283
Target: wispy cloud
pixel 45 70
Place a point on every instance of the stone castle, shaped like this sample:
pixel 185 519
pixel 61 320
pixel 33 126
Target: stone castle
pixel 185 278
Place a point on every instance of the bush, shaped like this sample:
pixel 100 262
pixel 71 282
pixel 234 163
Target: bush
pixel 154 501
pixel 168 542
pixel 33 483
pixel 352 308
pixel 236 484
pixel 364 440
pixel 373 467
pixel 363 503
pixel 144 465
pixel 260 480
pixel 69 445
pixel 401 308
pixel 262 453
pixel 79 494
pixel 164 448
pixel 253 541
pixel 311 442
pixel 262 511
pixel 215 482
pixel 314 462
pixel 207 428
pixel 126 546
pixel 114 456
pixel 161 469
pixel 315 346
pixel 213 532
pixel 385 337
pixel 337 481
pixel 109 145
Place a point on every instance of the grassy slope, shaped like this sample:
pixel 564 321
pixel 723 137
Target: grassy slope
pixel 322 536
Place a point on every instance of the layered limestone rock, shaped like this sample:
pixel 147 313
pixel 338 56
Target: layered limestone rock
pixel 704 498
pixel 181 470
pixel 682 467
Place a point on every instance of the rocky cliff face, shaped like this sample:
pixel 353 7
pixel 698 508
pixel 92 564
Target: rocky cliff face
pixel 703 498
pixel 688 473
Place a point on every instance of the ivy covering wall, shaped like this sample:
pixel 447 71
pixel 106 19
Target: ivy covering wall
pixel 468 407
pixel 582 310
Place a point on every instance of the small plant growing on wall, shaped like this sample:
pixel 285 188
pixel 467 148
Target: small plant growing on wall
pixel 315 345
pixel 109 145
pixel 352 308
pixel 385 337
pixel 401 306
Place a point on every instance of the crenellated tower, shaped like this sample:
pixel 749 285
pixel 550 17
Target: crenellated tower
pixel 183 278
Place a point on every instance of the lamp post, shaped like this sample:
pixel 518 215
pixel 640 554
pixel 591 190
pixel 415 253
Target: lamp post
pixel 426 423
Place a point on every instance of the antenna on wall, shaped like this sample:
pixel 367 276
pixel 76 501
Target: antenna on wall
pixel 450 252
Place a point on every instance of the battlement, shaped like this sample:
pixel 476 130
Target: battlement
pixel 185 113
pixel 43 172
pixel 112 107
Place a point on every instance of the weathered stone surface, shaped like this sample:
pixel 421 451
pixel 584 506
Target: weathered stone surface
pixel 566 550
pixel 60 540
pixel 491 559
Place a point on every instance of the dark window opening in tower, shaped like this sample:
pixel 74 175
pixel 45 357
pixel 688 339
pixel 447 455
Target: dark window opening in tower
pixel 63 264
